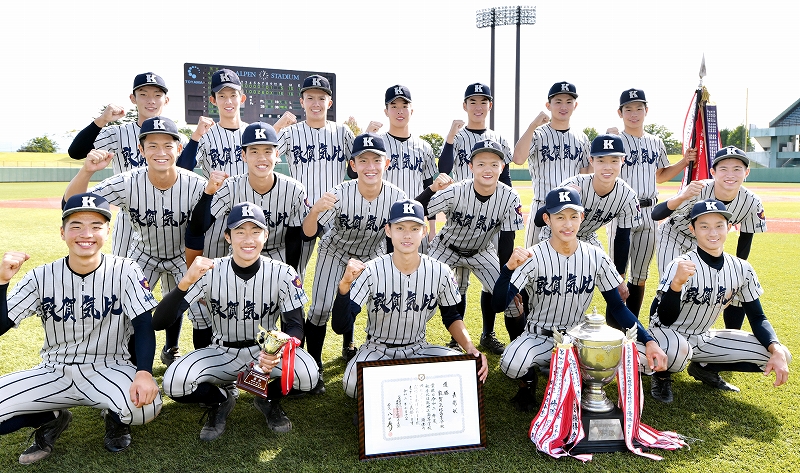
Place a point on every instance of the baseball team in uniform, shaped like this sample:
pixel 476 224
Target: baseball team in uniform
pixel 231 248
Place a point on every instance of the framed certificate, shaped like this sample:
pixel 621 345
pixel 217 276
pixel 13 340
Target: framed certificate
pixel 420 406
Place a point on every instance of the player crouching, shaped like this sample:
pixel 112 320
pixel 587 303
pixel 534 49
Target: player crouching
pixel 243 291
pixel 87 307
pixel 417 284
pixel 559 275
pixel 693 291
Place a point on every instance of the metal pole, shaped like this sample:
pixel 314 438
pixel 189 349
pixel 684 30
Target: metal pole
pixel 491 80
pixel 746 124
pixel 516 83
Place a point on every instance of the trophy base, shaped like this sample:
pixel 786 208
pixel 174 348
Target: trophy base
pixel 603 433
pixel 253 381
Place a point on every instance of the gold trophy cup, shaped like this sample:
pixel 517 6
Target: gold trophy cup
pixel 253 379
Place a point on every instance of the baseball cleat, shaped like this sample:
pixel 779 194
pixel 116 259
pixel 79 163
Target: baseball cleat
pixel 349 352
pixel 490 342
pixel 661 388
pixel 44 438
pixel 217 417
pixel 709 378
pixel 118 436
pixel 168 355
pixel 276 418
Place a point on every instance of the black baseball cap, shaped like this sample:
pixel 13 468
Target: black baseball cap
pixel 562 88
pixel 397 92
pixel 731 152
pixel 368 142
pixel 246 212
pixel 488 146
pixel 86 202
pixel 407 210
pixel 607 145
pixel 478 89
pixel 161 125
pixel 225 78
pixel 259 133
pixel 562 198
pixel 149 78
pixel 632 95
pixel 316 82
pixel 709 206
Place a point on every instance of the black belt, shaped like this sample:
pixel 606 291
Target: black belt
pixel 240 344
pixel 392 345
pixel 647 202
pixel 464 253
pixel 541 331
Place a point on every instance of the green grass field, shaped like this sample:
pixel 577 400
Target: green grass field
pixel 753 431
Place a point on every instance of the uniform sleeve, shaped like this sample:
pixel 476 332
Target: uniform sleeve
pixel 82 144
pixel 512 220
pixel 755 221
pixel 299 209
pixel 521 276
pixel 584 143
pixel 448 287
pixel 221 203
pixel 347 146
pixel 431 170
pixel 607 276
pixel 138 298
pixel 198 290
pixel 283 143
pixel 507 151
pixel 751 289
pixel 360 290
pixel 292 294
pixel 201 159
pixel 107 139
pixel 663 159
pixel 328 216
pixel 630 215
pixel 669 274
pixel 535 139
pixel 115 190
pixel 24 300
pixel 442 201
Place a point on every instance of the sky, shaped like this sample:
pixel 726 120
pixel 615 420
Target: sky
pixel 63 61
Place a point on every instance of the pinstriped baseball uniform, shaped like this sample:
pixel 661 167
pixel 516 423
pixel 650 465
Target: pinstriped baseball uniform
pixel 620 205
pixel 560 290
pixel 85 358
pixel 463 143
pixel 412 162
pixel 675 238
pixel 237 309
pixel 471 226
pixel 357 231
pixel 703 298
pixel 554 156
pixel 159 216
pixel 643 157
pixel 398 308
pixel 284 206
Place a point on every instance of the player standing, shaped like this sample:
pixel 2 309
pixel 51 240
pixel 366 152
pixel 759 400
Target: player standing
pixel 477 210
pixel 401 291
pixel 356 212
pixel 85 316
pixel 316 150
pixel 644 166
pixel 560 275
pixel 150 96
pixel 730 168
pixel 244 291
pixel 553 151
pixel 159 199
pixel 693 290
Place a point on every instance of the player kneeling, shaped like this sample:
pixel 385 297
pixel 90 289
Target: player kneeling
pixel 87 302
pixel 243 291
pixel 693 291
pixel 401 290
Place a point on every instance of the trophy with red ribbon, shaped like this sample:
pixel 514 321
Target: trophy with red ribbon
pixel 254 380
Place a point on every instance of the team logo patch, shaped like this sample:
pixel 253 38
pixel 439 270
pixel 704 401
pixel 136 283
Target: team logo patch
pixel 297 282
pixel 519 210
pixel 761 215
pixel 306 201
pixel 145 284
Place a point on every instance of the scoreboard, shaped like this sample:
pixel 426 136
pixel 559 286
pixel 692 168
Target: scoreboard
pixel 270 92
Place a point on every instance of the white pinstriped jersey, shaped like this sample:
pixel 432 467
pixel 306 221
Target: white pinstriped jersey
pixel 159 216
pixel 554 156
pixel 643 156
pixel 709 291
pixel 399 305
pixel 358 224
pixel 284 205
pixel 220 149
pixel 85 319
pixel 620 204
pixel 412 162
pixel 560 287
pixel 471 224
pixel 238 307
pixel 317 157
pixel 123 141
pixel 462 148
pixel 746 209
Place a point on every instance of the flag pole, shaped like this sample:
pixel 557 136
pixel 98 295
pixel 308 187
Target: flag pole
pixel 693 141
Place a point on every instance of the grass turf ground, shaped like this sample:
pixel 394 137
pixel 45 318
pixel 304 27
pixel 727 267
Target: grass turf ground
pixel 755 430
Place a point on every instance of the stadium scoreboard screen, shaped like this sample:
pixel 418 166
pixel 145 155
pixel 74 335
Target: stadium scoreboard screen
pixel 270 92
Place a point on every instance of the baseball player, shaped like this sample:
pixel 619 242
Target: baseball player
pixel 244 291
pixel 316 150
pixel 560 275
pixel 462 137
pixel 150 96
pixel 729 170
pixel 401 291
pixel 553 151
pixel 477 210
pixel 693 290
pixel 644 166
pixel 356 212
pixel 159 199
pixel 86 302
